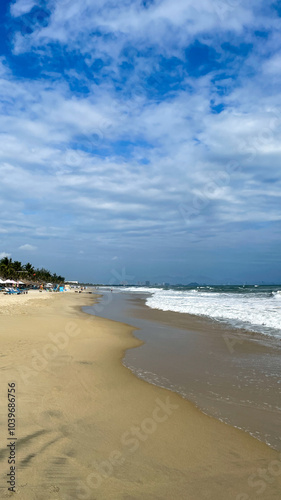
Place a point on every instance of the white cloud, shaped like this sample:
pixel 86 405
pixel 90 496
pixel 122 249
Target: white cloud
pixel 4 254
pixel 165 23
pixel 273 65
pixel 39 161
pixel 20 7
pixel 28 248
pixel 117 165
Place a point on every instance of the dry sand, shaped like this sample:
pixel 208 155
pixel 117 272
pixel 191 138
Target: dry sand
pixel 15 304
pixel 87 428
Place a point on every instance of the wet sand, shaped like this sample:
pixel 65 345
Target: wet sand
pixel 231 374
pixel 87 428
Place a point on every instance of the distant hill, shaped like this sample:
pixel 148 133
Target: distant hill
pixel 190 280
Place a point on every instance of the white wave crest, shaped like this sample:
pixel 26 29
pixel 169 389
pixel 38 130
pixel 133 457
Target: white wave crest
pixel 255 312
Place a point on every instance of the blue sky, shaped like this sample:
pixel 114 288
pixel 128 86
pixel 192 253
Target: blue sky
pixel 142 138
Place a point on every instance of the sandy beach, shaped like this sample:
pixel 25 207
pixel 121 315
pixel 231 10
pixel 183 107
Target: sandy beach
pixel 230 374
pixel 87 428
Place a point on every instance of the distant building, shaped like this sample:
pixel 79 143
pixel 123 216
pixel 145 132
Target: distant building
pixel 147 283
pixel 72 282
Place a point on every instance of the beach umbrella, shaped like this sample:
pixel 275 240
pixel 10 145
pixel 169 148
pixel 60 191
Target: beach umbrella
pixel 12 282
pixel 1 281
pixel 21 283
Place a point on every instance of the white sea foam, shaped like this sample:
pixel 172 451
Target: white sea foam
pixel 258 311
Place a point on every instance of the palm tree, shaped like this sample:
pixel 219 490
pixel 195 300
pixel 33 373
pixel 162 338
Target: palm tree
pixel 17 268
pixel 30 270
pixel 6 267
pixel 10 269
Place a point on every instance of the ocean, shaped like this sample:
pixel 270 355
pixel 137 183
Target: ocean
pixel 218 347
pixel 256 308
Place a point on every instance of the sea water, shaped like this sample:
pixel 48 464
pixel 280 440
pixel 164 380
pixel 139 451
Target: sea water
pixel 255 308
pixel 239 386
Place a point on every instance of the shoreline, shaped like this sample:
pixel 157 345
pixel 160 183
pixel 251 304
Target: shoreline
pixel 230 374
pixel 88 428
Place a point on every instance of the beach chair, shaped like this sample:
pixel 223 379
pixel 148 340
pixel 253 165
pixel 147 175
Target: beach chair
pixel 10 291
